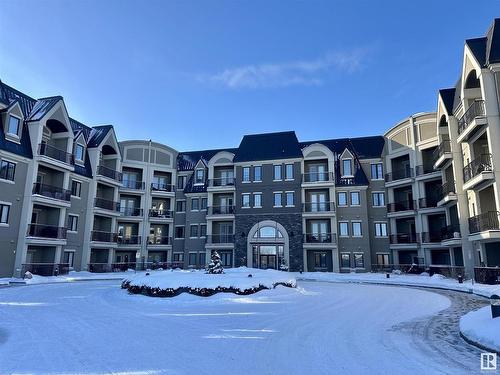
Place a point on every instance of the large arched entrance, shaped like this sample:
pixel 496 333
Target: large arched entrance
pixel 268 246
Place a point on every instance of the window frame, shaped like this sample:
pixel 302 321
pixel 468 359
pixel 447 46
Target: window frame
pixel 287 194
pixel 380 224
pixel 8 132
pixel 196 230
pixel 73 223
pixel 259 168
pixel 275 194
pixel 78 189
pixel 5 206
pixel 8 163
pixel 203 232
pixel 346 199
pixel 287 177
pixel 203 203
pixel 350 167
pixel 341 224
pixel 77 159
pixel 278 167
pixel 357 223
pixel 183 185
pixel 183 203
pixel 351 193
pixel 183 232
pixel 244 197
pixel 245 175
pixel 260 200
pixel 193 200
pixel 342 254
pixel 377 165
pixel 378 194
pixel 196 180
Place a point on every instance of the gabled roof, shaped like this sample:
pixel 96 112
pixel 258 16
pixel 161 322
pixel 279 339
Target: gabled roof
pixel 97 135
pixel 192 188
pixel 486 50
pixel 41 107
pixel 270 146
pixel 186 161
pixel 478 49
pixel 364 147
pixel 448 97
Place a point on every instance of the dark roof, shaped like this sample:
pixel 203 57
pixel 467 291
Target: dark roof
pixel 41 107
pixel 97 135
pixel 364 147
pixel 478 49
pixel 486 50
pixel 270 146
pixel 448 97
pixel 186 161
pixel 192 188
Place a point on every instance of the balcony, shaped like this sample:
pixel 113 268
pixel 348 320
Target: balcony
pixel 45 269
pixel 399 174
pixel 162 187
pixel 160 214
pixel 318 207
pixel 133 185
pixel 220 239
pixel 484 222
pixel 401 206
pixel 221 184
pixel 99 236
pixel 220 210
pixel 403 238
pixel 442 153
pixel 431 237
pixel 131 211
pixel 159 240
pixel 106 204
pixel 320 238
pixel 471 121
pixel 446 193
pixel 317 177
pixel 478 171
pixel 129 240
pixel 51 192
pixel 109 173
pixel 422 170
pixel 427 202
pixel 47 231
pixel 450 233
pixel 52 152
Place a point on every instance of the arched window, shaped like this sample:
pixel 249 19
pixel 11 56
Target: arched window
pixel 443 122
pixel 268 232
pixel 472 82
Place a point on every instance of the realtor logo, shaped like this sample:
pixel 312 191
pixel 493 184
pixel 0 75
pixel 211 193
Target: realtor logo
pixel 488 361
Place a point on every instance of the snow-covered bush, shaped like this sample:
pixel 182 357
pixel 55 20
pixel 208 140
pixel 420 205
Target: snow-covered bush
pixel 283 265
pixel 215 265
pixel 28 275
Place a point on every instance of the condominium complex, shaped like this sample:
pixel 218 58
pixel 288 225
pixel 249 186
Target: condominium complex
pixel 74 197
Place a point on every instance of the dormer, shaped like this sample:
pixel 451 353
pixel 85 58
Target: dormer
pixel 79 149
pixel 12 120
pixel 200 171
pixel 346 164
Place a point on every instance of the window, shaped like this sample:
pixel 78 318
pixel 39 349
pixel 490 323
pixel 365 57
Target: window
pixel 201 260
pixel 319 260
pixel 347 167
pixel 345 260
pixel 192 259
pixel 178 257
pixel 277 173
pixel 268 232
pixel 68 258
pixel 76 188
pixel 383 259
pixel 13 125
pixel 354 198
pixel 195 204
pixel 179 232
pixel 203 230
pixel 245 174
pixel 181 206
pixel 72 223
pixel 181 182
pixel 343 228
pixel 79 152
pixel 7 170
pixel 193 230
pixel 289 172
pixel 290 198
pixel 204 202
pixel 359 260
pixel 356 229
pixel 277 200
pixel 199 176
pixel 257 200
pixel 257 173
pixel 342 201
pixel 245 200
pixel 377 171
pixel 381 229
pixel 226 259
pixel 378 199
pixel 4 213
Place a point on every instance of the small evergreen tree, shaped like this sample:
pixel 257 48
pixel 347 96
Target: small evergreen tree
pixel 283 265
pixel 215 265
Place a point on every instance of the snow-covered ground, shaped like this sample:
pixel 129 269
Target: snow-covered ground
pixel 317 328
pixel 479 327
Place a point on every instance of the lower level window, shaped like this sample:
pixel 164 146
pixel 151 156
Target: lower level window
pixel 320 260
pixel 4 213
pixel 178 257
pixel 226 259
pixel 383 259
pixel 201 259
pixel 69 257
pixel 359 261
pixel 192 259
pixel 345 260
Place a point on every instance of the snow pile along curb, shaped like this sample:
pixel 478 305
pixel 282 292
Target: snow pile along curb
pixel 235 280
pixel 480 329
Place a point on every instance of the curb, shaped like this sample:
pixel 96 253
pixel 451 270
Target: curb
pixel 16 283
pixel 478 344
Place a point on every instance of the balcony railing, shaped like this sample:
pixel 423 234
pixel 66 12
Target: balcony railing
pixel 313 177
pixel 424 169
pixel 134 185
pixel 220 210
pixel 101 236
pixel 129 240
pixel 220 238
pixel 443 148
pixel 45 269
pixel 477 166
pixel 160 214
pixel 160 186
pixel 159 240
pixel 451 232
pixel 401 206
pixel 428 202
pixel 483 222
pixel 221 181
pixel 403 238
pixel 487 275
pixel 475 110
pixel 109 173
pixel 399 174
pixel 106 204
pixel 431 237
pixel 55 153
pixel 131 211
pixel 318 207
pixel 52 192
pixel 47 231
pixel 446 189
pixel 320 238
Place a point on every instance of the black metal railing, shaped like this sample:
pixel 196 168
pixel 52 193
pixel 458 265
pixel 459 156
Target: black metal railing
pixel 345 181
pixel 47 231
pixel 109 173
pixel 477 166
pixel 220 238
pixel 100 236
pixel 475 110
pixel 45 269
pixel 134 185
pixel 403 238
pixel 320 238
pixel 431 237
pixel 159 240
pixel 487 275
pixel 446 189
pixel 428 202
pixel 401 206
pixel 317 177
pixel 221 181
pixel 483 222
pixel 443 148
pixel 404 268
pixel 318 207
pixel 106 204
pixel 220 210
pixel 446 270
pixel 52 191
pixel 160 214
pixel 424 169
pixel 160 186
pixel 450 232
pixel 55 153
pixel 399 174
pixel 129 240
pixel 131 211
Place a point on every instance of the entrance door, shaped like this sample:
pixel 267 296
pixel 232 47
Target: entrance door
pixel 268 262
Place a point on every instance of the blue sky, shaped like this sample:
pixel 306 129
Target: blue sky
pixel 200 74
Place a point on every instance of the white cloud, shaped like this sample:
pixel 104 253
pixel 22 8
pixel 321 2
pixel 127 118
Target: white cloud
pixel 294 73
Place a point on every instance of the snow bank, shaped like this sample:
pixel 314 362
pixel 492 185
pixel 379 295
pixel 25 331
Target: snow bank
pixel 234 280
pixel 479 327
